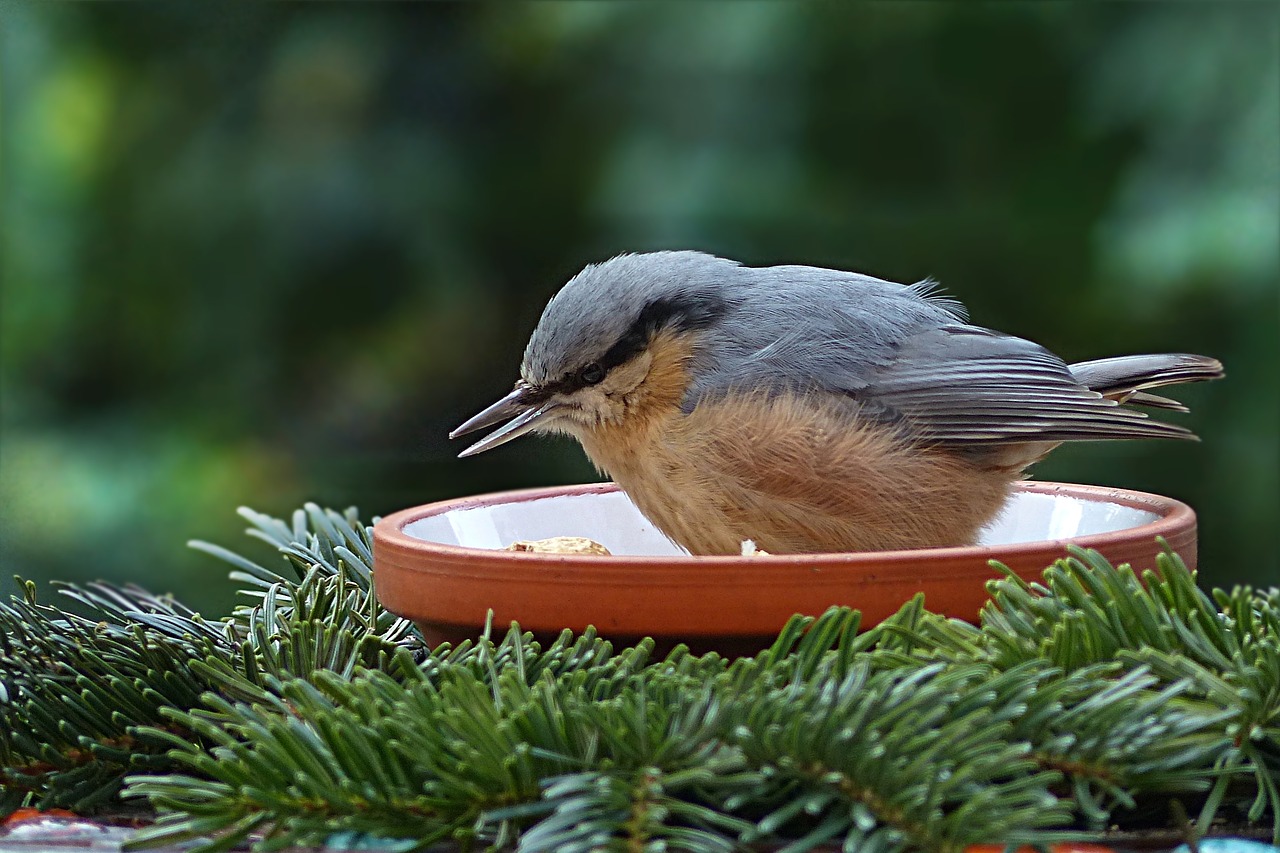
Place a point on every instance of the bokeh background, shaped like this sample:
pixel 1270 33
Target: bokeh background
pixel 263 254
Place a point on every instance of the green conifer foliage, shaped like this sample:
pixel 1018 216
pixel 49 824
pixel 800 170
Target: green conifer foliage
pixel 1093 698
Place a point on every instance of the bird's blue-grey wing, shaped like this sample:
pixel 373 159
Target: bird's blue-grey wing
pixel 965 384
pixel 801 329
pixel 903 353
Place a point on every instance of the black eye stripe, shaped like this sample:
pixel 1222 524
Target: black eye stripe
pixel 683 313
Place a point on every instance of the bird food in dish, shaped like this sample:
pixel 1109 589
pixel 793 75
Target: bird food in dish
pixel 561 545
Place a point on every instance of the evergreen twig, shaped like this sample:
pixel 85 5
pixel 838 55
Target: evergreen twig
pixel 311 711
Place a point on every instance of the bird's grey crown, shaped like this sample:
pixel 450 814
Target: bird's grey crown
pixel 611 303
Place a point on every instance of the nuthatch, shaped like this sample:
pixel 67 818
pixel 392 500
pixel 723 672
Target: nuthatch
pixel 808 409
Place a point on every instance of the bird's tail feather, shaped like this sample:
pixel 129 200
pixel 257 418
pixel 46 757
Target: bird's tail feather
pixel 1126 378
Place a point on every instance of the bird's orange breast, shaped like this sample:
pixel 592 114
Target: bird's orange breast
pixel 795 474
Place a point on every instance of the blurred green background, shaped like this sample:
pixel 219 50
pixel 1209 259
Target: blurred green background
pixel 260 254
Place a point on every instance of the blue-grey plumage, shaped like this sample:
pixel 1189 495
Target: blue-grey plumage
pixel 637 355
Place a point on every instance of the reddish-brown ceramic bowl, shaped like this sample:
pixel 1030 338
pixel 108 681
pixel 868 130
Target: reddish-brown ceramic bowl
pixel 440 565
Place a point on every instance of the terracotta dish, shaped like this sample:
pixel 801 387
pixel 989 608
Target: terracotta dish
pixel 442 566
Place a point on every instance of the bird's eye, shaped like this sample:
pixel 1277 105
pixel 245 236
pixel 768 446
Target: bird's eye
pixel 591 374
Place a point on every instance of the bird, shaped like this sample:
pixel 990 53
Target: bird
pixel 809 410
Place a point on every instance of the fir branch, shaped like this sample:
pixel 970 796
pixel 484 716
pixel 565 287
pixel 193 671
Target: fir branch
pixel 1115 738
pixel 1223 649
pixel 451 755
pixel 1089 611
pixel 1240 675
pixel 315 537
pixel 898 760
pixel 914 635
pixel 75 690
pixel 330 556
pixel 313 711
pixel 634 811
pixel 75 687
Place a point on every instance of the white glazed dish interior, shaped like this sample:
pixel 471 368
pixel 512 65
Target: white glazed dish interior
pixel 612 520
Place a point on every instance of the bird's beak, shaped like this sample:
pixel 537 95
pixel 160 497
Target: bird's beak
pixel 522 411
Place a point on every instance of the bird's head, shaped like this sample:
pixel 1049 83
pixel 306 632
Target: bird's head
pixel 612 343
